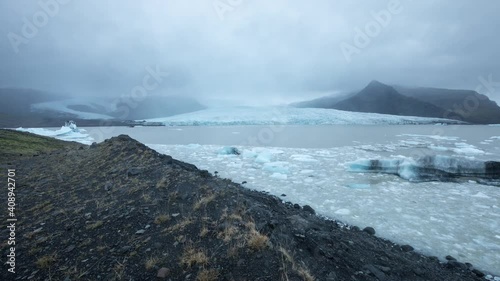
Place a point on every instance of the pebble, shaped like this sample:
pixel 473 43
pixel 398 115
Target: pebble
pixel 478 273
pixel 375 271
pixel 139 232
pixel 407 248
pixel 369 230
pixel 450 258
pixel 125 249
pixel 162 273
pixel 309 209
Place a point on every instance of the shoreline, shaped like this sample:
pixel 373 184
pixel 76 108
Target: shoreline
pixel 149 199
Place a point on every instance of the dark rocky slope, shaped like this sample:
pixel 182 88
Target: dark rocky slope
pixel 466 105
pixel 120 211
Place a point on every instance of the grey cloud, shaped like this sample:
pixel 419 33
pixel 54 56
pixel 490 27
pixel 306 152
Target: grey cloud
pixel 274 51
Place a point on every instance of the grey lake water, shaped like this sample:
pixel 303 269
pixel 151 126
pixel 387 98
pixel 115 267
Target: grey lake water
pixel 483 138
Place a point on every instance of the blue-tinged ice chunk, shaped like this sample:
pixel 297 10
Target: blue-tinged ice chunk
pixel 229 150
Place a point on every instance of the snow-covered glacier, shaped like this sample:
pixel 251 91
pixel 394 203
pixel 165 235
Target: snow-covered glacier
pixel 288 116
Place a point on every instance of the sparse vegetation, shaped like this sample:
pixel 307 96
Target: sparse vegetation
pixel 202 202
pixel 45 261
pixel 161 219
pixel 256 241
pixel 193 256
pixel 151 262
pixel 301 270
pixel 95 225
pixel 208 275
pixel 179 226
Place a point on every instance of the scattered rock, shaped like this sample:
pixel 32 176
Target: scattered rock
pixel 478 273
pixel 309 209
pixel 456 264
pixel 125 249
pixel 69 248
pixel 139 232
pixel 369 230
pixel 134 171
pixel 450 258
pixel 331 277
pixel 375 271
pixel 385 269
pixel 406 248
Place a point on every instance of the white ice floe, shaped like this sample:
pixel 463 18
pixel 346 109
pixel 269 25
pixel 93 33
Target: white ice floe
pixel 65 133
pixel 287 116
pixel 437 218
pixel 461 148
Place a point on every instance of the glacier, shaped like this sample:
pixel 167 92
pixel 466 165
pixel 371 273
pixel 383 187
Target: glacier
pixel 226 116
pixel 64 106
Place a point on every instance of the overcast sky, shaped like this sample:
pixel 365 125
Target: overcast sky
pixel 256 51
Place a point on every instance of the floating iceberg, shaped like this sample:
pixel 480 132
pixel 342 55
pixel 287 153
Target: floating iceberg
pixel 432 168
pixel 68 132
pixel 229 150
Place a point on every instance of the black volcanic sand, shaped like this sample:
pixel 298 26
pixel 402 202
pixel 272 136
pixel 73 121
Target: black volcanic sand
pixel 120 211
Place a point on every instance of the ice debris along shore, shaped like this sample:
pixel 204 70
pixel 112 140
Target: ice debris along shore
pixel 68 132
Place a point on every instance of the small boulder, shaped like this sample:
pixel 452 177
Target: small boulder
pixel 369 230
pixel 309 209
pixel 162 273
pixel 134 171
pixel 406 248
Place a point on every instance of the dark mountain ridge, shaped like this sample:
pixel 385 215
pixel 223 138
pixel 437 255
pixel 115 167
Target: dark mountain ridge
pixel 384 99
pixel 464 105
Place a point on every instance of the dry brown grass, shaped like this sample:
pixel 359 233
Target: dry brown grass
pixel 94 225
pixel 45 261
pixel 228 233
pixel 151 263
pixel 204 231
pixel 193 256
pixel 204 201
pixel 179 226
pixel 160 219
pixel 256 241
pixel 163 183
pixel 304 273
pixel 301 270
pixel 208 275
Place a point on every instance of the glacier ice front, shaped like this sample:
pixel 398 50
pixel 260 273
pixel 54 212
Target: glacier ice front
pixel 288 116
pixel 432 168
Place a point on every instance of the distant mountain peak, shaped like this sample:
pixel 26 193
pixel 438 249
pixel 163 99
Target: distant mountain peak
pixel 376 83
